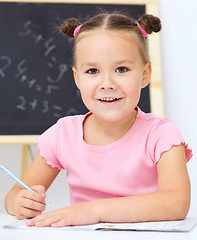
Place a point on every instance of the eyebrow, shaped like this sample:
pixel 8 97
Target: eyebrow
pixel 124 61
pixel 89 64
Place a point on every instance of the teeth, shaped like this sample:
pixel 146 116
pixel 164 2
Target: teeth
pixel 108 99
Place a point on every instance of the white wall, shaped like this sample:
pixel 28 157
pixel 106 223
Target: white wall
pixel 179 65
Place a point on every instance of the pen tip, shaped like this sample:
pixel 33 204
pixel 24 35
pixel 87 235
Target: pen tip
pixel 47 205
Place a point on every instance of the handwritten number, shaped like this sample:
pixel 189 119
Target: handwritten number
pixel 45 106
pixel 32 84
pixel 6 65
pixel 20 68
pixel 53 61
pixel 21 104
pixel 62 69
pixel 49 48
pixel 27 26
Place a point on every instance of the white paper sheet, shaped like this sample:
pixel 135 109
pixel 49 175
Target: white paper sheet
pixel 166 226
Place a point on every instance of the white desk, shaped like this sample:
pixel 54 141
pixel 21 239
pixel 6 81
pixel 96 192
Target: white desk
pixel 7 234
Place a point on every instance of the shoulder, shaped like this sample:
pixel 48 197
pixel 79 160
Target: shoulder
pixel 65 126
pixel 150 117
pixel 162 135
pixel 60 136
pixel 70 121
pixel 155 124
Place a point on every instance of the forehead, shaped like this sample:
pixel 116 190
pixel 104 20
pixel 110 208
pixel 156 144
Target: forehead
pixel 101 43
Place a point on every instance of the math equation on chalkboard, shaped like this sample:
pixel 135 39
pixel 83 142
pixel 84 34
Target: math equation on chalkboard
pixel 36 80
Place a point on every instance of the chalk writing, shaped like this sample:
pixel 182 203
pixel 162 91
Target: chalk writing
pixel 44 106
pixel 21 69
pixel 28 25
pixel 33 103
pixel 62 69
pixel 48 85
pixel 49 48
pixel 36 79
pixel 6 63
pixel 21 104
pixel 50 89
pixel 71 111
pixel 52 63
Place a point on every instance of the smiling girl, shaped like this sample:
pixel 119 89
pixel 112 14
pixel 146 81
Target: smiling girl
pixel 123 165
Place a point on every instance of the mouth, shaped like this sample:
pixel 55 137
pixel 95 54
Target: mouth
pixel 109 100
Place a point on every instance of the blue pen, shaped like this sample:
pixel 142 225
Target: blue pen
pixel 17 180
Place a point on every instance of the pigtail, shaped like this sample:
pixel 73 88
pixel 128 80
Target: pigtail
pixel 68 27
pixel 150 23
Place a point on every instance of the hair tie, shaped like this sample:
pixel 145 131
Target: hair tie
pixel 77 30
pixel 144 33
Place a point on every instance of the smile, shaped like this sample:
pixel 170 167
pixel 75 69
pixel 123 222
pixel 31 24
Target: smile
pixel 109 99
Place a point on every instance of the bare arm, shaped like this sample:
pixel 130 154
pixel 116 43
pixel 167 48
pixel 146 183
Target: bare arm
pixel 170 202
pixel 24 203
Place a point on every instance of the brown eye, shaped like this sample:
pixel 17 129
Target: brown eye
pixel 121 69
pixel 93 71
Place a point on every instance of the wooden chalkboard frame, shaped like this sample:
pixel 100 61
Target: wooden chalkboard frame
pixel 156 101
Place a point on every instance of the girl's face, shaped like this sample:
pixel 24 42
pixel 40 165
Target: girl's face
pixel 110 73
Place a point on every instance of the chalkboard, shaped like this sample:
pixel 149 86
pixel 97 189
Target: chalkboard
pixel 36 81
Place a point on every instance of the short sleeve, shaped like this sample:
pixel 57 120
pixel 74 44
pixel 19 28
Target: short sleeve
pixel 47 146
pixel 163 137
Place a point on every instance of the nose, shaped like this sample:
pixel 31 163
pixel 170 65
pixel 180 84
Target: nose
pixel 107 82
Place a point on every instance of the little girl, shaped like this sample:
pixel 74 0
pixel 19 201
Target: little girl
pixel 122 164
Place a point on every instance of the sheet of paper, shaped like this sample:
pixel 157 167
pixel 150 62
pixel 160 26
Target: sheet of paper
pixel 21 225
pixel 166 226
pixel 169 226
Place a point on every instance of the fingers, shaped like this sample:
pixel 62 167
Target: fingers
pixel 60 223
pixel 79 214
pixel 26 213
pixel 32 204
pixel 37 197
pixel 44 220
pixel 50 219
pixel 30 199
pixel 39 189
pixel 29 203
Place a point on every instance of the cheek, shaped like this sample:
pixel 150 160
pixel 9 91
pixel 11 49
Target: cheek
pixel 134 95
pixel 133 84
pixel 87 91
pixel 87 85
pixel 133 90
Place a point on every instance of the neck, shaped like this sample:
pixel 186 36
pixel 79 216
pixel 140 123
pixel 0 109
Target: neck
pixel 99 132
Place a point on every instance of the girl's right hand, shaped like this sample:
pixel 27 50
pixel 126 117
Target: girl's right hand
pixel 29 204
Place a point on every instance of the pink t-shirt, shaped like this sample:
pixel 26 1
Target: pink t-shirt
pixel 125 167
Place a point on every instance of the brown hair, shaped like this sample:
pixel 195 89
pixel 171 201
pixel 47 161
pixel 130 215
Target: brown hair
pixel 115 21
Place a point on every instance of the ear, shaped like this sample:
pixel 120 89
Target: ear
pixel 75 76
pixel 146 75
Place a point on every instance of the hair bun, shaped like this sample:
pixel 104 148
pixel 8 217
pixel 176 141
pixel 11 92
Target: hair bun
pixel 69 26
pixel 150 23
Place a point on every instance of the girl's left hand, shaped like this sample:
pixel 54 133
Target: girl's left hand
pixel 79 214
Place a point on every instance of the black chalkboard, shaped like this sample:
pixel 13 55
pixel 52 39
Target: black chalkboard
pixel 36 81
